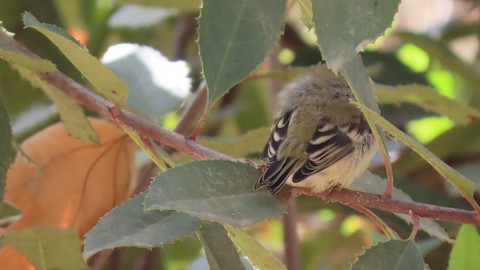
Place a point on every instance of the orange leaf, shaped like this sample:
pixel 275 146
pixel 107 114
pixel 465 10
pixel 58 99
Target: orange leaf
pixel 71 183
pixel 11 259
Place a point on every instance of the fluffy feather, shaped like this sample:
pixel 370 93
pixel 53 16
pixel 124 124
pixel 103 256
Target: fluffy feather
pixel 319 139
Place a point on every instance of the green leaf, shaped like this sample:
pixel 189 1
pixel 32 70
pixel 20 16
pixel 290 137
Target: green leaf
pixel 254 251
pixel 146 146
pixel 307 13
pixel 214 190
pixel 460 182
pixel 429 99
pixel 221 252
pixel 185 5
pixel 104 80
pixel 6 147
pixel 48 248
pixel 446 145
pixel 128 225
pixel 70 111
pixel 440 51
pixel 35 64
pixel 329 248
pixel 372 183
pixel 251 142
pixel 395 254
pixel 465 252
pixel 343 26
pixel 234 38
pixel 361 85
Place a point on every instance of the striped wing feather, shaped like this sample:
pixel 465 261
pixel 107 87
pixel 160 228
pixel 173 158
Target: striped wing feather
pixel 328 145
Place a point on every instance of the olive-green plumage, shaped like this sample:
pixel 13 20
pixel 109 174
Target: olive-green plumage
pixel 318 132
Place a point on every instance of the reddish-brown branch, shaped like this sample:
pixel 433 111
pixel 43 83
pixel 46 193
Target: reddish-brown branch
pixel 179 142
pixel 376 201
pixel 139 124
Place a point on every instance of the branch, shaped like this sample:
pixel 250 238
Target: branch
pixel 179 142
pixel 380 202
pixel 139 124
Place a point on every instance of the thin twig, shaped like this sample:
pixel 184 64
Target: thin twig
pixel 99 260
pixel 184 31
pixel 416 225
pixel 389 173
pixel 290 235
pixel 384 227
pixel 193 108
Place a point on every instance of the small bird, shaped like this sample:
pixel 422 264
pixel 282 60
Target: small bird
pixel 320 140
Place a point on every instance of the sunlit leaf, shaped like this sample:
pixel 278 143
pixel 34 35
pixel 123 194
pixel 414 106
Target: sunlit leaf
pixel 146 146
pixel 70 111
pixel 428 128
pixel 45 247
pixel 254 251
pixel 460 182
pixel 307 13
pixel 440 51
pixel 445 146
pixel 101 77
pixel 371 183
pixel 23 60
pixel 429 99
pixel 66 182
pixel 234 38
pixel 220 250
pixel 465 252
pixel 214 190
pixel 251 142
pixel 345 27
pixel 394 255
pixel 6 147
pixel 128 225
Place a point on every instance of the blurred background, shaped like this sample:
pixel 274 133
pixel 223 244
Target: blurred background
pixel 151 45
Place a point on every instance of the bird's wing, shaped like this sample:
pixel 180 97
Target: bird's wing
pixel 329 144
pixel 279 133
pixel 278 170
